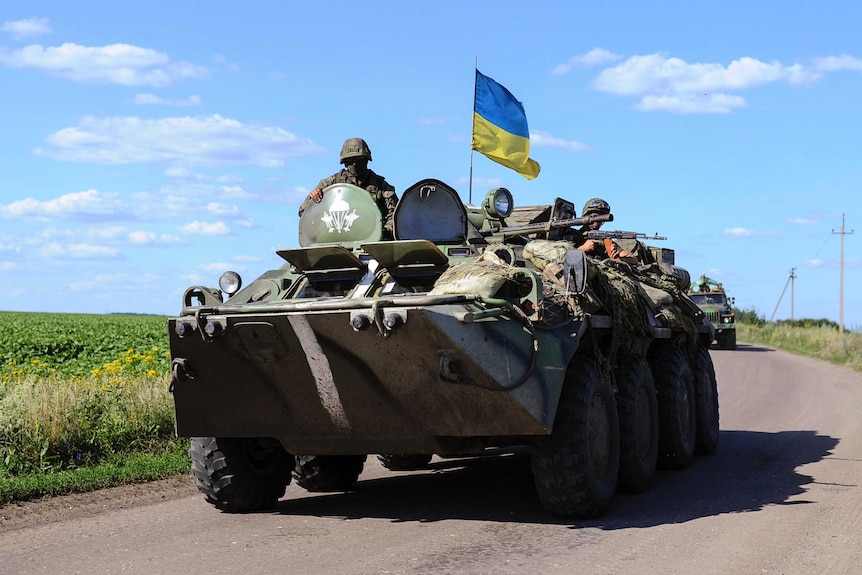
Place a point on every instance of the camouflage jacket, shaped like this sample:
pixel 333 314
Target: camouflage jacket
pixel 381 190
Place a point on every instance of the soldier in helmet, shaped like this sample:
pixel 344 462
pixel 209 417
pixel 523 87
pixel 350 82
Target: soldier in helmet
pixel 600 248
pixel 355 155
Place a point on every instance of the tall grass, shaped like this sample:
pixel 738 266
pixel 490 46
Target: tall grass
pixel 822 342
pixel 83 395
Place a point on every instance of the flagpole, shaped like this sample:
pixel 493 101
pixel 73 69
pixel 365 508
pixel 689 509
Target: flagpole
pixel 473 131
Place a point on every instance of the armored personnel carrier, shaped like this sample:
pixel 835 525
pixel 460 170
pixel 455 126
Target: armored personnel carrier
pixel 477 327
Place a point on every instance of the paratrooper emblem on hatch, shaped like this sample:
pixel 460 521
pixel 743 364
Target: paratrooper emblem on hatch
pixel 339 218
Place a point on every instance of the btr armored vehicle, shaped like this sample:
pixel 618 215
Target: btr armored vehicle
pixel 476 327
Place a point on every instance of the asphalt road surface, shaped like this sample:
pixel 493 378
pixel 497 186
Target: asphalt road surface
pixel 781 495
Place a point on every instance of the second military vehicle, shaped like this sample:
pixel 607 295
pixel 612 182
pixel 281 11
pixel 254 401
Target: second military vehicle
pixel 477 327
pixel 710 297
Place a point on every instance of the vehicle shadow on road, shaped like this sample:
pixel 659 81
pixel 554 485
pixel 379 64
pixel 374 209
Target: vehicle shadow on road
pixel 741 347
pixel 748 471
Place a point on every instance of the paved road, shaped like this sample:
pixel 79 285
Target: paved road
pixel 780 496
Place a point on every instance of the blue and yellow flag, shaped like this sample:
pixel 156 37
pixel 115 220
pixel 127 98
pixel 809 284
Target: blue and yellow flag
pixel 500 127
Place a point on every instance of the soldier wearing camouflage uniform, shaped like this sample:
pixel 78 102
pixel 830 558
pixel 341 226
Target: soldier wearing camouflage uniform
pixel 355 155
pixel 598 248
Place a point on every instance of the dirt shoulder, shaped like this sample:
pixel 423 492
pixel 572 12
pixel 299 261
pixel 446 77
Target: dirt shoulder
pixel 26 514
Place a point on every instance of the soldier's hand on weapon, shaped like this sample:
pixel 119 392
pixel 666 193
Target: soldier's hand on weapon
pixel 316 195
pixel 589 245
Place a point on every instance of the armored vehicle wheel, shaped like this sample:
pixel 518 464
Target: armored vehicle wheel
pixel 638 413
pixel 727 340
pixel 706 401
pixel 327 472
pixel 404 462
pixel 676 405
pixel 575 467
pixel 239 474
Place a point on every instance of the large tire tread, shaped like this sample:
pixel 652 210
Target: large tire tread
pixel 575 471
pixel 323 473
pixel 676 405
pixel 638 414
pixel 239 475
pixel 706 401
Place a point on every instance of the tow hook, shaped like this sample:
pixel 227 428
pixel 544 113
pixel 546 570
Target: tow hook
pixel 179 372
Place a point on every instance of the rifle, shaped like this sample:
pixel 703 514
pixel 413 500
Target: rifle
pixel 619 235
pixel 548 226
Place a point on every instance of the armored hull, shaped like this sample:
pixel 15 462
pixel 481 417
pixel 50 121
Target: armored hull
pixel 450 339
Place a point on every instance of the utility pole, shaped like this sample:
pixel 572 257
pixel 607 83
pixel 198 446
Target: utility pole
pixel 792 288
pixel 841 289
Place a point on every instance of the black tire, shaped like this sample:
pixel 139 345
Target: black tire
pixel 238 475
pixel 637 407
pixel 706 402
pixel 404 462
pixel 328 472
pixel 676 405
pixel 727 340
pixel 575 468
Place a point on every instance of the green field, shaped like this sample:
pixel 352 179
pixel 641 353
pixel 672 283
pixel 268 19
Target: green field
pixel 84 402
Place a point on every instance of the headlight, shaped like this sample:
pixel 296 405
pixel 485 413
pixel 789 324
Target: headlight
pixel 727 319
pixel 498 203
pixel 230 282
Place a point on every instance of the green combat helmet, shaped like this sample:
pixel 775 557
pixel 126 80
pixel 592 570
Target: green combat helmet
pixel 596 206
pixel 355 148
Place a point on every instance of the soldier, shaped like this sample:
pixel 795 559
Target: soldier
pixel 600 248
pixel 355 155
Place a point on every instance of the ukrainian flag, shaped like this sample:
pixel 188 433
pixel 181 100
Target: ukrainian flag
pixel 500 127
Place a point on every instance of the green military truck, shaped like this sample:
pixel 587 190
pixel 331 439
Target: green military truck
pixel 709 295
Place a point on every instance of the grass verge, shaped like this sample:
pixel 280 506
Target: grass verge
pixel 132 468
pixel 823 342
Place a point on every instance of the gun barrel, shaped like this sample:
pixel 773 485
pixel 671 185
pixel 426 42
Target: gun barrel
pixel 620 235
pixel 552 225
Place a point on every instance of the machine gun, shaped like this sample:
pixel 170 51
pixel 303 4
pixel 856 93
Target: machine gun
pixel 619 235
pixel 546 227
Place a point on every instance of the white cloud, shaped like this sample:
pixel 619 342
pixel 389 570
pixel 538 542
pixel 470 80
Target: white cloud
pixel 692 103
pixel 77 205
pixel 747 233
pixel 152 99
pixel 218 209
pixel 184 140
pixel 115 64
pixel 802 221
pixel 206 229
pixel 837 63
pixel 815 262
pixel 545 140
pixel 26 28
pixel 674 85
pixel 80 251
pixel 594 57
pixel 142 238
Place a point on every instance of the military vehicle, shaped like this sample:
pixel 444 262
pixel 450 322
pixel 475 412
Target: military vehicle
pixel 476 327
pixel 710 297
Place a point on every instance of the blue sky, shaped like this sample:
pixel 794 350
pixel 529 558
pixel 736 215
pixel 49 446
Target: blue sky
pixel 148 147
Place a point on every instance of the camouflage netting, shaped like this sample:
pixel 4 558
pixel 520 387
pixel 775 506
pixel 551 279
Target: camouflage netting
pixel 629 292
pixel 483 277
pixel 543 252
